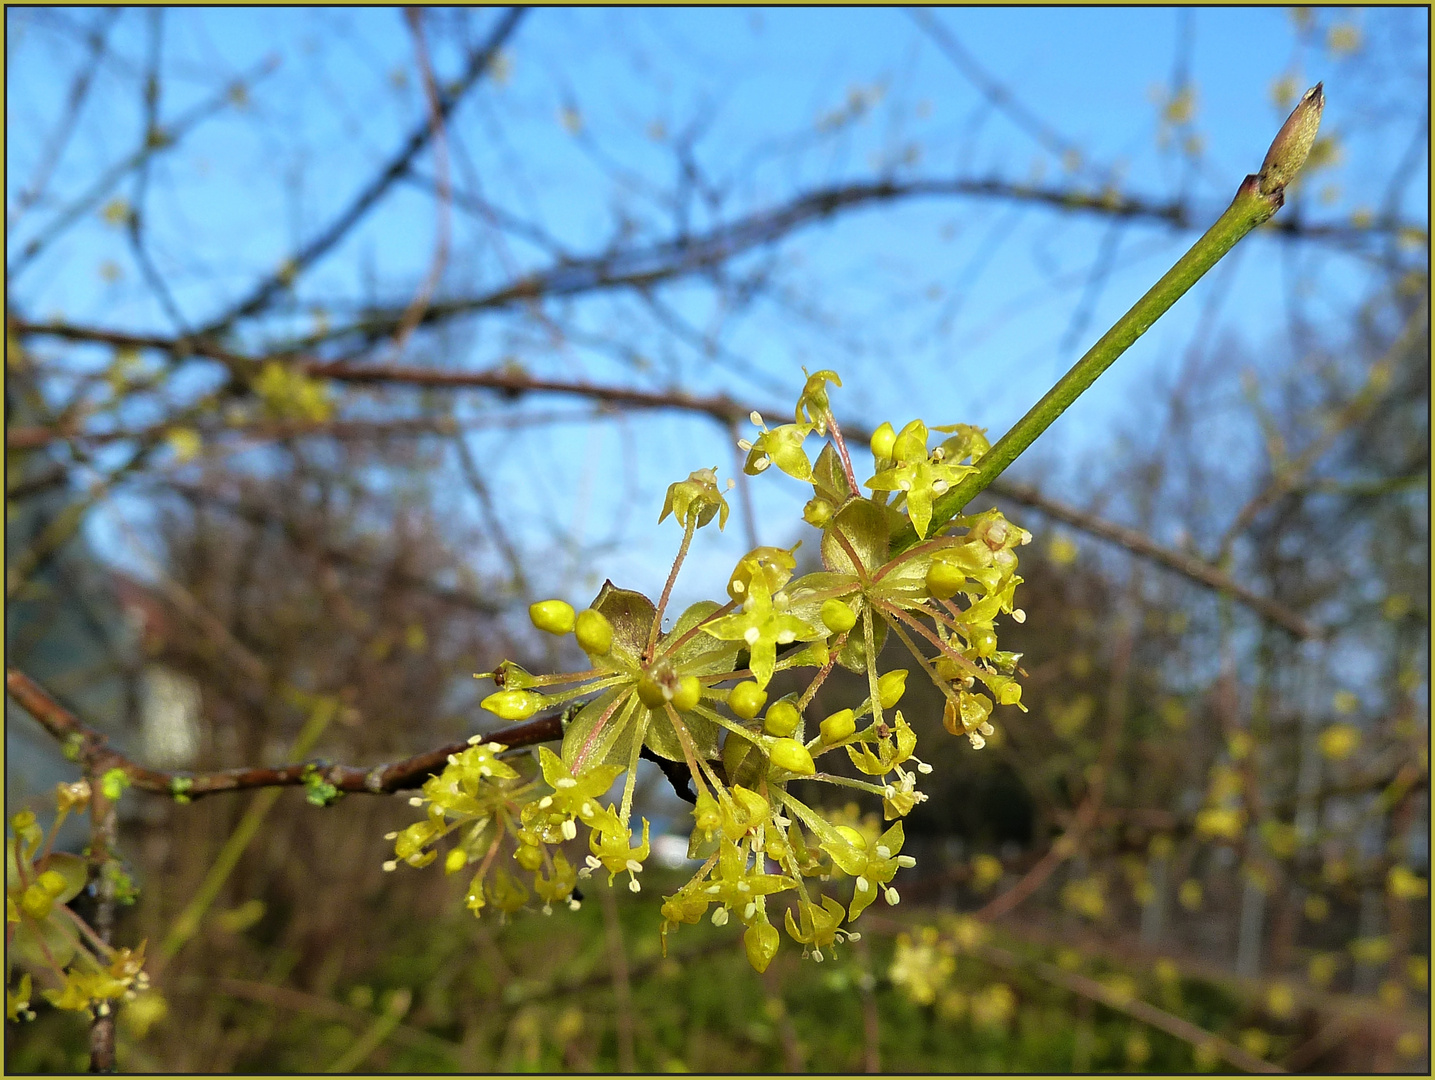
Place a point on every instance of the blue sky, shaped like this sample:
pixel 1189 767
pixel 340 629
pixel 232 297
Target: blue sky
pixel 952 309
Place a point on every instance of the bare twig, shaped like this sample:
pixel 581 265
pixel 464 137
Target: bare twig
pixel 1139 544
pixel 381 779
pixel 479 62
pixel 104 832
pixel 443 188
pixel 172 136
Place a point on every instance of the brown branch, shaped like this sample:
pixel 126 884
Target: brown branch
pixel 443 189
pixel 104 833
pixel 382 779
pixel 478 62
pixel 721 407
pixel 1139 544
pixel 1132 1007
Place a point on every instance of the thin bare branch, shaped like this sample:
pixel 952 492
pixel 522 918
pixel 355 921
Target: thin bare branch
pixel 382 779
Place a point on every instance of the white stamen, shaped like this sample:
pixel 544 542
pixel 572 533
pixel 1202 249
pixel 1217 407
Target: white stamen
pixel 594 862
pixel 586 810
pixel 863 884
pixel 635 866
pixel 720 917
pixel 751 909
pixel 474 740
pixel 892 897
pixel 566 782
pixel 939 487
pixel 416 801
pixel 755 417
pixel 923 768
pixel 391 836
pixel 751 635
pixel 762 463
pixel 390 866
pixel 569 829
pixel 545 802
pixel 744 887
pixel 853 936
pixel 1018 616
pixel 906 860
pixel 713 890
pixel 817 955
pixel 883 851
pixel 633 885
pixel 484 770
pixel 573 905
pixel 784 637
pixel 744 445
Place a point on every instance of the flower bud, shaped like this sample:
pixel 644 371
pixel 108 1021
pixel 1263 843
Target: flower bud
pixel 760 941
pixel 781 720
pixel 512 704
pixel 1292 143
pixel 840 725
pixel 882 440
pixel 530 858
pixel 911 442
pixel 944 580
pixel 51 882
pixel 688 693
pixel 838 617
pixel 650 692
pixel 37 903
pixel 746 699
pixel 891 687
pixel 594 632
pixel 791 755
pixel 985 643
pixel 456 860
pixel 554 616
pixel 817 512
pixel 707 813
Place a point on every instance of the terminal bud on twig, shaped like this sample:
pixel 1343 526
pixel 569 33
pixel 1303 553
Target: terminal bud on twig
pixel 1293 142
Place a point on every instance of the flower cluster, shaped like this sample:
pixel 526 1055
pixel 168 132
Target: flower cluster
pixel 699 695
pixel 45 935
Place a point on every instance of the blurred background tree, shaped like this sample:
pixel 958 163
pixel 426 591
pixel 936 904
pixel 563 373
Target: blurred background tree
pixel 334 338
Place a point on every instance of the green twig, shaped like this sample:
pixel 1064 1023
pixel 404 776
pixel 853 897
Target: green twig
pixel 1258 198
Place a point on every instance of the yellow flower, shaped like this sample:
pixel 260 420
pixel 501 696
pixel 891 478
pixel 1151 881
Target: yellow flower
pixel 1339 741
pixel 921 969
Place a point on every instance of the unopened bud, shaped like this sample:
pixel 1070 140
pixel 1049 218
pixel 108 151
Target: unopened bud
pixel 1293 142
pixel 791 755
pixel 554 616
pixel 746 699
pixel 512 704
pixel 882 441
pixel 891 687
pixel 688 693
pixel 594 632
pixel 840 725
pixel 837 616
